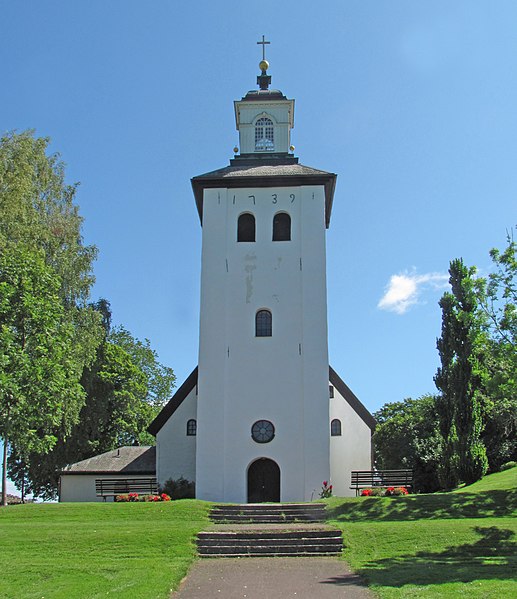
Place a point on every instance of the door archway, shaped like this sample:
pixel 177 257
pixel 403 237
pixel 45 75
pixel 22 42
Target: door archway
pixel 263 481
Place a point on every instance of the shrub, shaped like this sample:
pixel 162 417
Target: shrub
pixel 179 489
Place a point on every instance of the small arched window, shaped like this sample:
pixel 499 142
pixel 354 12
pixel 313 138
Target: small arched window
pixel 335 428
pixel 282 227
pixel 263 324
pixel 246 227
pixel 264 140
pixel 191 428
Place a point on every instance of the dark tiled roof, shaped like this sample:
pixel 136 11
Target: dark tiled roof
pixel 180 395
pixel 281 173
pixel 257 95
pixel 174 403
pixel 269 170
pixel 124 460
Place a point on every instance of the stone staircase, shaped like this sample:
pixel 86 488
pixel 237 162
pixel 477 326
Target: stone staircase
pixel 268 513
pixel 269 530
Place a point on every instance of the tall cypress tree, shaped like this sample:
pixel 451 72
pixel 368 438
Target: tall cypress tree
pixel 460 380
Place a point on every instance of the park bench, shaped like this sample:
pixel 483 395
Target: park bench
pixel 111 487
pixel 366 479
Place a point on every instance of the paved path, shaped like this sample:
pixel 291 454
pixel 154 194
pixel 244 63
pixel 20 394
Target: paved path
pixel 271 578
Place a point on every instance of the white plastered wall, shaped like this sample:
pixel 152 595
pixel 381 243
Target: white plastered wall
pixel 81 487
pixel 351 450
pixel 175 451
pixel 283 378
pixel 281 113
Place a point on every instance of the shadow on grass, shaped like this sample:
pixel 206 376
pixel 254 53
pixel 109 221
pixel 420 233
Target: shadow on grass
pixel 416 507
pixel 493 556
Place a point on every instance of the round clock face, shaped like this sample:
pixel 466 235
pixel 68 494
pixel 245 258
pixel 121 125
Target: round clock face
pixel 262 431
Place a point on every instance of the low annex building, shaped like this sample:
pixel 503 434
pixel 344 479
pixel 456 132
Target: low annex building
pixel 79 481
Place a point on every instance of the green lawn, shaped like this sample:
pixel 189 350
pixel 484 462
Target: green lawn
pixel 91 550
pixel 441 545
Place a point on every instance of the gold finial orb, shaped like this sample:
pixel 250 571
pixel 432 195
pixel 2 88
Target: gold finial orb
pixel 235 150
pixel 263 65
pixel 291 148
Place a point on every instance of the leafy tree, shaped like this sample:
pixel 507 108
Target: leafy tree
pixel 160 379
pixel 122 397
pixel 407 436
pixel 39 386
pixel 37 210
pixel 38 218
pixel 497 298
pixel 460 380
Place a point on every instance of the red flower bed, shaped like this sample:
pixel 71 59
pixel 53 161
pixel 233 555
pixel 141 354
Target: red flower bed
pixel 135 497
pixel 388 492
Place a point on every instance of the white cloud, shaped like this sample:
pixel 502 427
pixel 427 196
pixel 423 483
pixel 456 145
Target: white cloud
pixel 403 290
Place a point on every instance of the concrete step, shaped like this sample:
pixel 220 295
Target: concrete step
pixel 269 513
pixel 273 551
pixel 277 554
pixel 270 506
pixel 274 534
pixel 269 544
pixel 264 519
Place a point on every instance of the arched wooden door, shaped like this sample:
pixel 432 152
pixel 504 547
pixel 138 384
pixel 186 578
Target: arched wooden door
pixel 263 481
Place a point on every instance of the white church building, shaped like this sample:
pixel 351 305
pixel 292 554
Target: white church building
pixel 263 417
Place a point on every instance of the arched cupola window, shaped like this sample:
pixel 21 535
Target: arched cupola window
pixel 191 428
pixel 246 227
pixel 263 324
pixel 335 428
pixel 264 137
pixel 282 227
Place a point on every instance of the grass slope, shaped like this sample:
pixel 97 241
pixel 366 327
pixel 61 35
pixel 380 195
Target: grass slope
pixel 441 545
pixel 92 550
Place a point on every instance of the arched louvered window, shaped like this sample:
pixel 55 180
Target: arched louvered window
pixel 281 227
pixel 246 227
pixel 191 428
pixel 264 140
pixel 335 428
pixel 263 324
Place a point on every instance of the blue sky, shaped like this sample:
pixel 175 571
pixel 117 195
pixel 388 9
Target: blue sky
pixel 412 104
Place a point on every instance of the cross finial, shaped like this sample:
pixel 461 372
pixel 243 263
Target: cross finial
pixel 263 44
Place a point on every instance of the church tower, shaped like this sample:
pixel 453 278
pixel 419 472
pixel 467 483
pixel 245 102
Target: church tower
pixel 263 417
pixel 263 373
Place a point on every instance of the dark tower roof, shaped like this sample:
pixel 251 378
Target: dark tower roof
pixel 265 171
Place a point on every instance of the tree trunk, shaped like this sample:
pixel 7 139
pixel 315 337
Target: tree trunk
pixel 4 474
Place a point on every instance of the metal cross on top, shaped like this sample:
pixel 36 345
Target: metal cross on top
pixel 263 44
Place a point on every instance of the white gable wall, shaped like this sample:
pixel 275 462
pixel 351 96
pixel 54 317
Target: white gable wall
pixel 351 450
pixel 175 451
